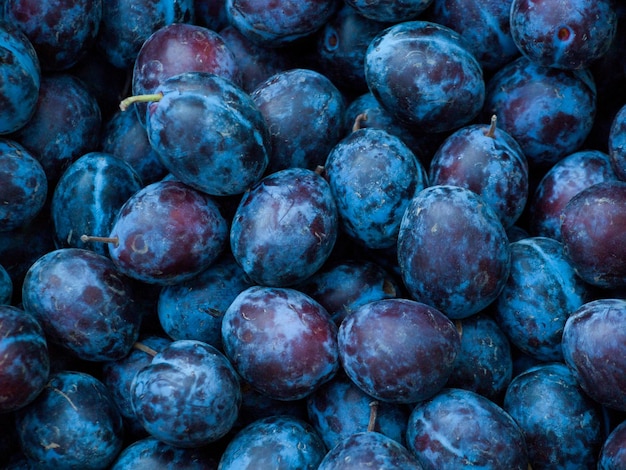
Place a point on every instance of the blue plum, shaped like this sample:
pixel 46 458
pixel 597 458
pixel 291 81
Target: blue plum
pixel 61 31
pixel 593 230
pixel 73 423
pixel 453 251
pixel 462 429
pixel 23 186
pixel 562 426
pixel 285 227
pixel 188 396
pixel 149 454
pixel 548 111
pixel 6 287
pixel 88 196
pixel 25 358
pixel 569 34
pixel 613 451
pixel 368 449
pixel 281 341
pixel 593 341
pixel 304 114
pixel 488 161
pixel 541 292
pixel 83 304
pixel 373 176
pixel 393 11
pixel 280 442
pixel 424 74
pixel 20 78
pixel 617 143
pixel 398 350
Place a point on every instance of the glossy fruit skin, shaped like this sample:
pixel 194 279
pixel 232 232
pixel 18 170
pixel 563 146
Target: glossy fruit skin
pixel 373 176
pixel 127 24
pixel 612 455
pixel 150 453
pixel 617 143
pixel 304 111
pixel 494 167
pixel 560 183
pixel 193 309
pixel 281 341
pixel 593 225
pixel 285 227
pixel 208 133
pixel 179 48
pixel 466 234
pixel 278 24
pixel 548 111
pixel 458 428
pixel 167 232
pixel 549 406
pixel 277 441
pixel 485 363
pixel 569 34
pixel 23 186
pixel 425 75
pixel 339 409
pixel 541 292
pixel 66 124
pixel 82 303
pixel 592 340
pixel 76 419
pixel 88 196
pixel 368 449
pixel 485 25
pixel 21 78
pixel 186 377
pixel 386 361
pixel 61 31
pixel 26 361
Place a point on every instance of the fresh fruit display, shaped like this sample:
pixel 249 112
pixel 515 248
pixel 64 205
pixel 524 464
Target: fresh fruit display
pixel 312 234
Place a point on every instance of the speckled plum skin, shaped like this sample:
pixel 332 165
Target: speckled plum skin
pixel 304 112
pixel 547 404
pixel 73 423
pixel 368 449
pixel 88 197
pixel 275 24
pixel 23 186
pixel 20 78
pixel 393 11
pixel 485 24
pixel 613 452
pixel 25 358
pixel 281 341
pixel 339 409
pixel 209 133
pixel 569 34
pixel 188 396
pixel 424 74
pixel 167 232
pixel 548 111
pixel 593 229
pixel 150 453
pixel 178 48
pixel 373 176
pixel 561 182
pixel 493 166
pixel 459 428
pixel 285 227
pixel 617 143
pixel 83 303
pixel 593 339
pixel 398 350
pixel 286 441
pixel 453 251
pixel 541 292
pixel 61 31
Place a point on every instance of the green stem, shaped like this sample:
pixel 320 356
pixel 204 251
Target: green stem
pixel 147 98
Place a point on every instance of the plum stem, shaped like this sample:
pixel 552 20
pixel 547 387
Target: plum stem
pixel 373 414
pixel 358 121
pixel 145 348
pixel 491 132
pixel 147 98
pixel 91 238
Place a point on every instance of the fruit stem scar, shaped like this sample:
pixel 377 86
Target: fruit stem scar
pixel 147 98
